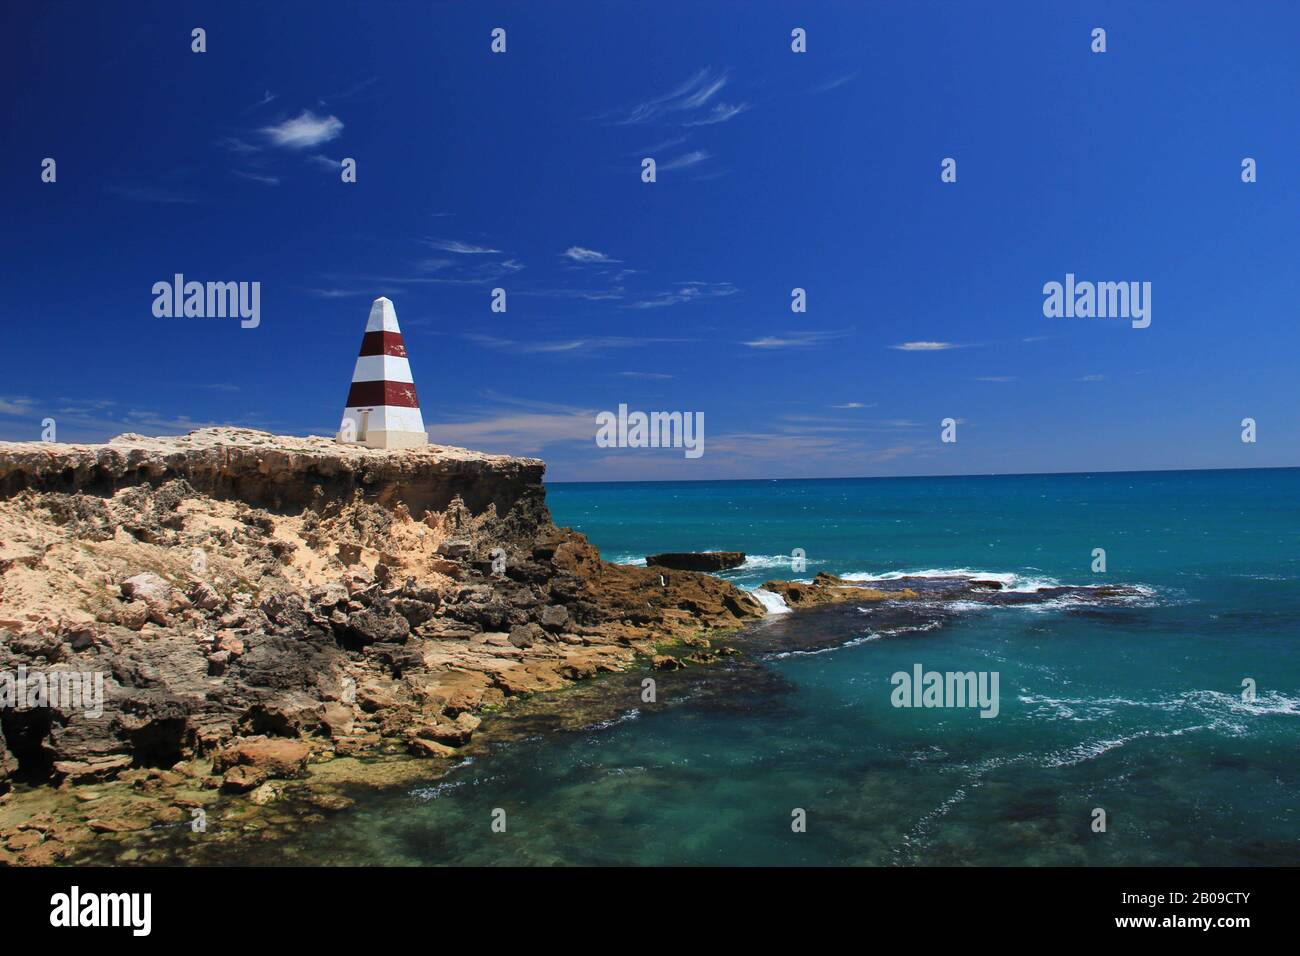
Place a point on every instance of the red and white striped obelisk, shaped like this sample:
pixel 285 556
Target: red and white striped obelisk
pixel 382 410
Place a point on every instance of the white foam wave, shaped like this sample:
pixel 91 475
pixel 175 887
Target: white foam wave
pixel 956 607
pixel 774 603
pixel 1144 598
pixel 1090 750
pixel 861 639
pixel 632 714
pixel 1015 583
pixel 762 562
pixel 437 790
pixel 1271 703
pixel 1010 580
pixel 1212 704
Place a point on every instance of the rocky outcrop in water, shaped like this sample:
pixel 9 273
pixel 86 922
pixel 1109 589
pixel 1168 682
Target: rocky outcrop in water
pixel 829 589
pixel 936 590
pixel 697 560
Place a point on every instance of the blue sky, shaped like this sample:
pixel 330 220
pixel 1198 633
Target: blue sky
pixel 776 170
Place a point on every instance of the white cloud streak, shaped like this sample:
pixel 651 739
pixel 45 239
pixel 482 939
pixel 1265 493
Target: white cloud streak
pixel 924 346
pixel 304 130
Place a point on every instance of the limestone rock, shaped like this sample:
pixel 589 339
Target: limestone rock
pixel 697 560
pixel 554 617
pixel 241 779
pixel 526 635
pixel 272 756
pixel 148 587
pixel 456 549
pixel 93 768
pixel 378 624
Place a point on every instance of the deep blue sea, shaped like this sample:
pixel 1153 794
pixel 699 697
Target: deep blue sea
pixel 1134 709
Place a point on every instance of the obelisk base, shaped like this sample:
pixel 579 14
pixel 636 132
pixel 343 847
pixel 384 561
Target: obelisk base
pixel 395 440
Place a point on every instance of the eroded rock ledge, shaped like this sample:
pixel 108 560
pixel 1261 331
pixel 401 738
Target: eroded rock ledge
pixel 256 602
pixel 278 471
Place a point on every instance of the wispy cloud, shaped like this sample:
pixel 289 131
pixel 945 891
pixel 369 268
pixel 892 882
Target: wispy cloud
pixel 706 87
pixel 757 453
pixel 567 346
pixel 690 95
pixel 996 378
pixel 925 346
pixel 838 424
pixel 463 248
pixel 507 425
pixel 526 433
pixel 855 405
pixel 579 254
pixel 304 131
pixel 236 145
pixel 17 406
pixel 657 147
pixel 336 293
pixel 352 92
pixel 1093 378
pixel 98 420
pixel 686 292
pixel 685 161
pixel 905 423
pixel 587 295
pixel 647 376
pixel 267 97
pixel 834 83
pixel 795 340
pixel 440 272
pixel 257 177
pixel 513 426
pixel 720 113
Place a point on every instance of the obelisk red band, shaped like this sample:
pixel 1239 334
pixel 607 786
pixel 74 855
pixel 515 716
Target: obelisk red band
pixel 383 343
pixel 398 394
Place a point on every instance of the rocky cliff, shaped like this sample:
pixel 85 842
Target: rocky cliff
pixel 239 590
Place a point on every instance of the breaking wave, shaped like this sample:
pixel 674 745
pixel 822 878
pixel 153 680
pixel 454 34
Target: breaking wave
pixel 774 603
pixel 1010 580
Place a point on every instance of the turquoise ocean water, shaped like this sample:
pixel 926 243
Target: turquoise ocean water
pixel 1134 708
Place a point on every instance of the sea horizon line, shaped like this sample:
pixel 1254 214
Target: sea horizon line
pixel 1010 474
